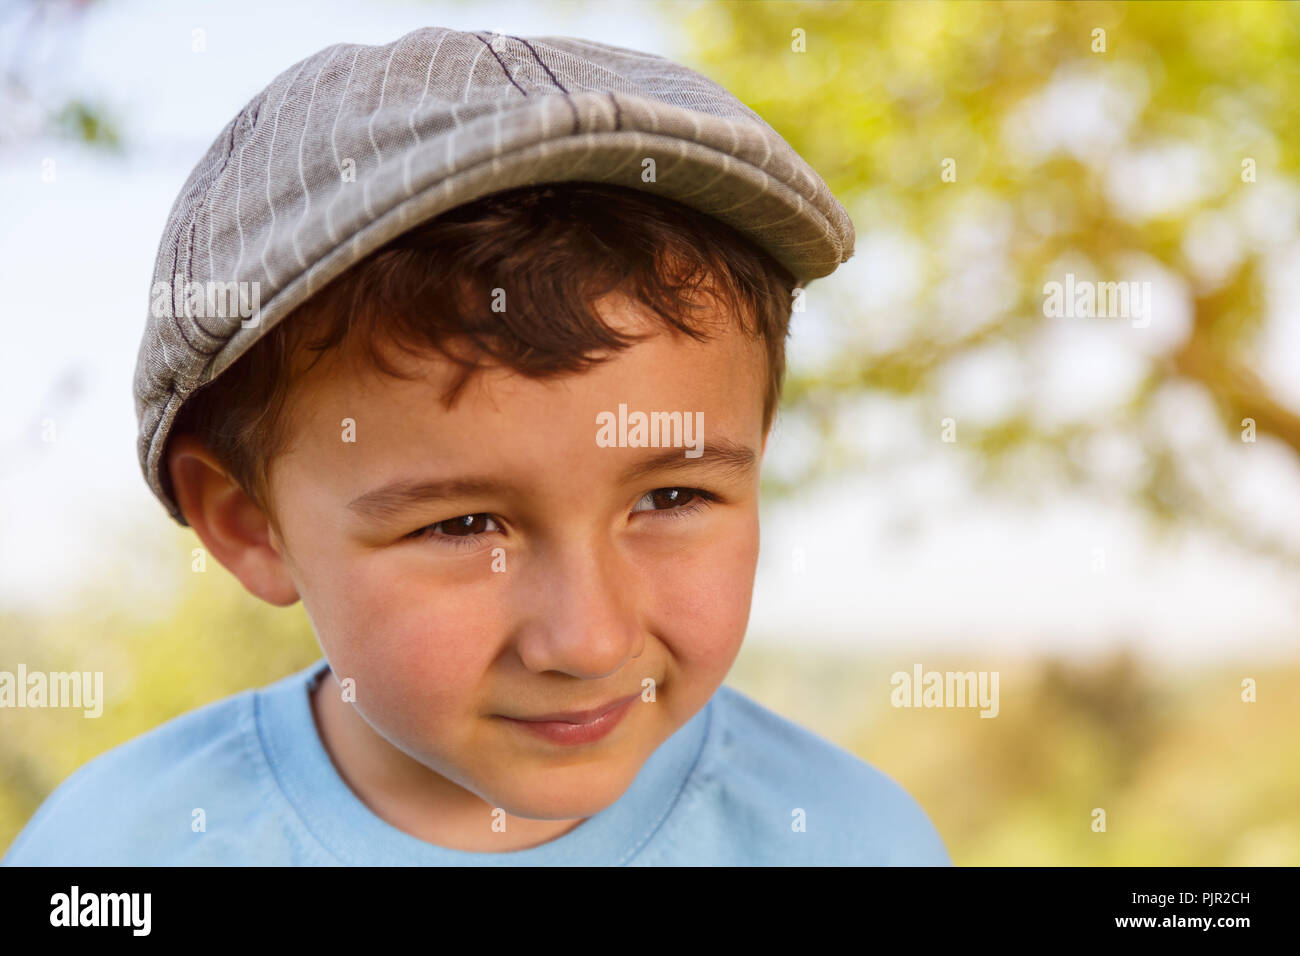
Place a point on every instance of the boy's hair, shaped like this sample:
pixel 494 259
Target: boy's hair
pixel 543 255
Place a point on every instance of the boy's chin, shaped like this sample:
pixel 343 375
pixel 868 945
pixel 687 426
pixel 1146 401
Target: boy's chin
pixel 565 793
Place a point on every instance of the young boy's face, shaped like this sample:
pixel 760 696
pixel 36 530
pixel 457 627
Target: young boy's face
pixel 515 568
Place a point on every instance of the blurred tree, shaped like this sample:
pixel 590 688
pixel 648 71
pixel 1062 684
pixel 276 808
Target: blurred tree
pixel 1117 141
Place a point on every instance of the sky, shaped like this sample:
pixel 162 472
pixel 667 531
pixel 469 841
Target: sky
pixel 910 556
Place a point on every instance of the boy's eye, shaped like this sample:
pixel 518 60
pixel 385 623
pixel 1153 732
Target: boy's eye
pixel 673 499
pixel 678 502
pixel 465 526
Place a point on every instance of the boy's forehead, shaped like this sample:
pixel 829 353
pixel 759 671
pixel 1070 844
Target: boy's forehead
pixel 724 377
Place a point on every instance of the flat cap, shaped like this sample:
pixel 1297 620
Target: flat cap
pixel 357 144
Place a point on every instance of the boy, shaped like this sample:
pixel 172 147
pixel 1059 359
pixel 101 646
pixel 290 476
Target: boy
pixel 472 344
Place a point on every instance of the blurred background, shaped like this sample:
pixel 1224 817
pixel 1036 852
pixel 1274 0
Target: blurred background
pixel 1113 525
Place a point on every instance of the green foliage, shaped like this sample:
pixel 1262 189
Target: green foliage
pixel 87 123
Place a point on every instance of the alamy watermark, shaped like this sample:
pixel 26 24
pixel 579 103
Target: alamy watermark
pixel 75 908
pixel 210 298
pixel 84 689
pixel 1085 299
pixel 945 689
pixel 651 430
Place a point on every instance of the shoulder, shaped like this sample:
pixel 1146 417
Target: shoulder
pixel 802 799
pixel 189 791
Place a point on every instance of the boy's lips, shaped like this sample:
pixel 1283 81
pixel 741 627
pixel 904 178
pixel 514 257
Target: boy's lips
pixel 576 716
pixel 576 727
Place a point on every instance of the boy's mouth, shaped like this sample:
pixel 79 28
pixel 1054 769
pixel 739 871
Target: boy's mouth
pixel 578 726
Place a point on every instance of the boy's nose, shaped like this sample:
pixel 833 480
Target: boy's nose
pixel 579 612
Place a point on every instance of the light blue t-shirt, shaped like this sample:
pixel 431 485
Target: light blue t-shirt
pixel 723 790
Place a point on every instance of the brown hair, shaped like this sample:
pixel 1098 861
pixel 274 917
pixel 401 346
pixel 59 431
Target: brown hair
pixel 555 249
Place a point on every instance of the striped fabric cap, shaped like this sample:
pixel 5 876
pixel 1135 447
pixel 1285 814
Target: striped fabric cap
pixel 356 144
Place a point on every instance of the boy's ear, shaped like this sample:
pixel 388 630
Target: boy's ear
pixel 228 521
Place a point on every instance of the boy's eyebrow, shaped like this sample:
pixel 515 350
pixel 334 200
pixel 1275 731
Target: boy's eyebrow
pixel 395 496
pixel 732 456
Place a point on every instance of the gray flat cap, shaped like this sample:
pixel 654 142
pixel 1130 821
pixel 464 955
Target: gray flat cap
pixel 356 144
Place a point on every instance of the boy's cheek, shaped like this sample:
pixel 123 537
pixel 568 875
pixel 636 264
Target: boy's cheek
pixel 428 654
pixel 409 644
pixel 702 599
